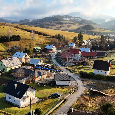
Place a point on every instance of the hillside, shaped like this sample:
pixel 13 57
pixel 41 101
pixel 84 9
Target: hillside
pixel 42 36
pixel 66 23
pixel 109 25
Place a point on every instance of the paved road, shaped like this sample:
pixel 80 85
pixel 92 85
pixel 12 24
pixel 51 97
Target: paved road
pixel 73 97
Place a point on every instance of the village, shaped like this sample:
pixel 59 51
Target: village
pixel 23 76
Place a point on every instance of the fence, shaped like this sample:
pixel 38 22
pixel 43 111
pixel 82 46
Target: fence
pixel 54 106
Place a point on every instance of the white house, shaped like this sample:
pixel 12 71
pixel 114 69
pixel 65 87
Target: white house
pixel 76 53
pixel 64 79
pixel 101 67
pixel 18 93
pixel 84 49
pixel 36 61
pixel 72 45
pixel 23 57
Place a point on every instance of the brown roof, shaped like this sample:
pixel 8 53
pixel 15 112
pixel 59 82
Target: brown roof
pixel 66 54
pixel 88 54
pixel 74 51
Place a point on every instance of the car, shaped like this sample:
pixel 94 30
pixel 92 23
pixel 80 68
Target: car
pixel 55 95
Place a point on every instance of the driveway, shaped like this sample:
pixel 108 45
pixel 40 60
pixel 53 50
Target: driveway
pixel 73 97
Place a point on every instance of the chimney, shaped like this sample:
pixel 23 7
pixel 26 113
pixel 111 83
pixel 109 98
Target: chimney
pixel 15 86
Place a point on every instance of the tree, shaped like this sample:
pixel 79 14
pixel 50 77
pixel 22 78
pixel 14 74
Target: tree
pixel 38 111
pixel 75 39
pixel 80 38
pixel 107 109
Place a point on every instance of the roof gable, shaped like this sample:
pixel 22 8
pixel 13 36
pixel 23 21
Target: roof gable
pixel 101 65
pixel 17 92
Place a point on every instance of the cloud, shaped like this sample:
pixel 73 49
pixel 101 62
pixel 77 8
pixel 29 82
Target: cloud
pixel 33 9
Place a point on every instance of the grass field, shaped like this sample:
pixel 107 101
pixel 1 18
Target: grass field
pixel 39 40
pixel 41 93
pixel 52 32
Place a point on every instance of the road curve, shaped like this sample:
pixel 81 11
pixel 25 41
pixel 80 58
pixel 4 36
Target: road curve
pixel 73 97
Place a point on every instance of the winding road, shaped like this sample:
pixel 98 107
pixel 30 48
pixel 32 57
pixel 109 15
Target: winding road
pixel 73 97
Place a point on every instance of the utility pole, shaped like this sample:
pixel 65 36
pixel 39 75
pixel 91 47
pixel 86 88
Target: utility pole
pixel 89 97
pixel 30 107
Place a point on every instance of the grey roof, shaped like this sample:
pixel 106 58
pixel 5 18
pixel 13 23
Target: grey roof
pixel 63 77
pixel 11 62
pixel 19 54
pixel 34 61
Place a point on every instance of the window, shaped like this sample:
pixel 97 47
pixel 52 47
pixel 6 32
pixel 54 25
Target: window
pixel 9 97
pixel 101 71
pixel 98 71
pixel 105 72
pixel 1 64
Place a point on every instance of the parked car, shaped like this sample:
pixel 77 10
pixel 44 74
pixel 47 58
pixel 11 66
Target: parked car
pixel 55 95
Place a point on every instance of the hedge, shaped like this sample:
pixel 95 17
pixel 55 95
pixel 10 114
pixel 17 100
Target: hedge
pixel 96 76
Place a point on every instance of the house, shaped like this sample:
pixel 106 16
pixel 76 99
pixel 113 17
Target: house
pixel 18 93
pixel 89 54
pixel 84 49
pixel 76 53
pixel 72 45
pixel 35 61
pixel 101 54
pixel 36 49
pixel 51 48
pixel 35 75
pixel 9 63
pixel 64 79
pixel 97 48
pixel 23 57
pixel 22 72
pixel 85 42
pixel 101 67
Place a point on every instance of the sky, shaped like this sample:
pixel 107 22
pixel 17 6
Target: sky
pixel 35 9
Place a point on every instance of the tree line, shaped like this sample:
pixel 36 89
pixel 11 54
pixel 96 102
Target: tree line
pixel 11 38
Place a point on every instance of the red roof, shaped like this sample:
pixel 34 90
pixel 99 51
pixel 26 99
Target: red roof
pixel 66 54
pixel 88 54
pixel 74 51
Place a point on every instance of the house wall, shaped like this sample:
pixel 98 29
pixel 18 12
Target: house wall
pixel 27 100
pixel 2 66
pixel 13 99
pixel 102 72
pixel 66 83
